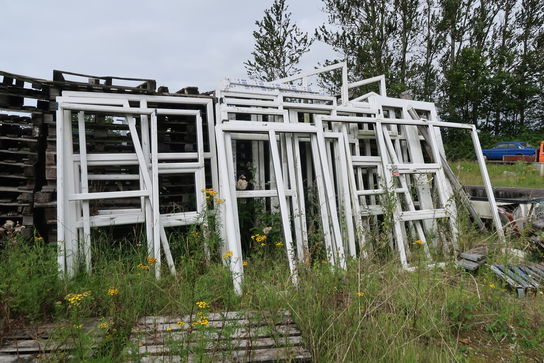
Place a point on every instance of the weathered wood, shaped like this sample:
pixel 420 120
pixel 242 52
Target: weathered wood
pixel 474 257
pixel 235 344
pixel 291 354
pixel 229 336
pixel 468 265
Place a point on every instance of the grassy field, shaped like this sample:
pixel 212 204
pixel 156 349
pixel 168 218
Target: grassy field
pixel 519 175
pixel 374 311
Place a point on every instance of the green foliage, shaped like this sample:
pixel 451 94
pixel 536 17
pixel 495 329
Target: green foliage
pixel 29 283
pixel 481 60
pixel 373 311
pixel 279 45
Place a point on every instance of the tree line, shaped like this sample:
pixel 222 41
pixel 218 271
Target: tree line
pixel 480 61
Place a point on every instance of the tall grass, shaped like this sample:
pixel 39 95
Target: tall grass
pixel 373 311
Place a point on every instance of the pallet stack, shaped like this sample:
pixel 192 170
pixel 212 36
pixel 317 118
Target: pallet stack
pixel 23 106
pixel 28 142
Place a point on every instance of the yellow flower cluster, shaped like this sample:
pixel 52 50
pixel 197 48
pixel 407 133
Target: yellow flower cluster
pixel 418 242
pixel 259 237
pixel 112 291
pixel 204 322
pixel 181 323
pixel 105 324
pixel 210 193
pixel 491 285
pixel 360 294
pixel 202 304
pixel 228 254
pixel 245 263
pixel 219 201
pixel 76 299
pixel 78 326
pixel 279 243
pixel 38 239
pixel 195 234
pixel 141 266
pixel 151 261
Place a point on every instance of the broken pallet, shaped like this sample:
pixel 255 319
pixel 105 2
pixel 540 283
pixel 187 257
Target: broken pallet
pixel 521 278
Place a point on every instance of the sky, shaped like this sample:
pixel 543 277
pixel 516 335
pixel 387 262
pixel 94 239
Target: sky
pixel 178 43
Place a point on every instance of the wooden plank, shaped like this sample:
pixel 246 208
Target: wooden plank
pixel 217 335
pixel 173 326
pixel 237 344
pixel 298 354
pixel 500 273
pixel 468 265
pixel 17 358
pixel 475 257
pixel 227 315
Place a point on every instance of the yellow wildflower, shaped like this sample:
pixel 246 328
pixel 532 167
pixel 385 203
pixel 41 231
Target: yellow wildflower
pixel 38 239
pixel 76 299
pixel 203 322
pixel 360 294
pixel 245 263
pixel 220 201
pixel 263 244
pixel 259 237
pixel 181 323
pixel 141 266
pixel 104 325
pixel 151 260
pixel 202 304
pixel 491 285
pixel 279 243
pixel 418 242
pixel 168 329
pixel 112 291
pixel 209 192
pixel 78 326
pixel 228 254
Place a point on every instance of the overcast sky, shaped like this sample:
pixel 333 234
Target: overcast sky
pixel 178 43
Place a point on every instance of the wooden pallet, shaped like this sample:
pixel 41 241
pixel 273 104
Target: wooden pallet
pixel 521 278
pixel 229 336
pixel 32 344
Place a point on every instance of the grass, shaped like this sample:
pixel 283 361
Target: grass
pixel 373 311
pixel 519 174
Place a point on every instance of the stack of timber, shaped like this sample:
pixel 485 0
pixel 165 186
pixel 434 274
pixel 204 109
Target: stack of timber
pixel 23 104
pixel 472 259
pixel 224 337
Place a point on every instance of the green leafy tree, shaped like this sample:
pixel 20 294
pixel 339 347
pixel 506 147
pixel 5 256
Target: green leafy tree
pixel 279 45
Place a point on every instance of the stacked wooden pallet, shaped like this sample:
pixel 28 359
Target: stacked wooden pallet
pixel 219 337
pixel 22 108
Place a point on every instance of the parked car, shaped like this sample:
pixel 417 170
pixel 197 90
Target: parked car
pixel 509 148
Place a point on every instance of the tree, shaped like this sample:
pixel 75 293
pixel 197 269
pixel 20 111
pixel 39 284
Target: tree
pixel 279 45
pixel 374 37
